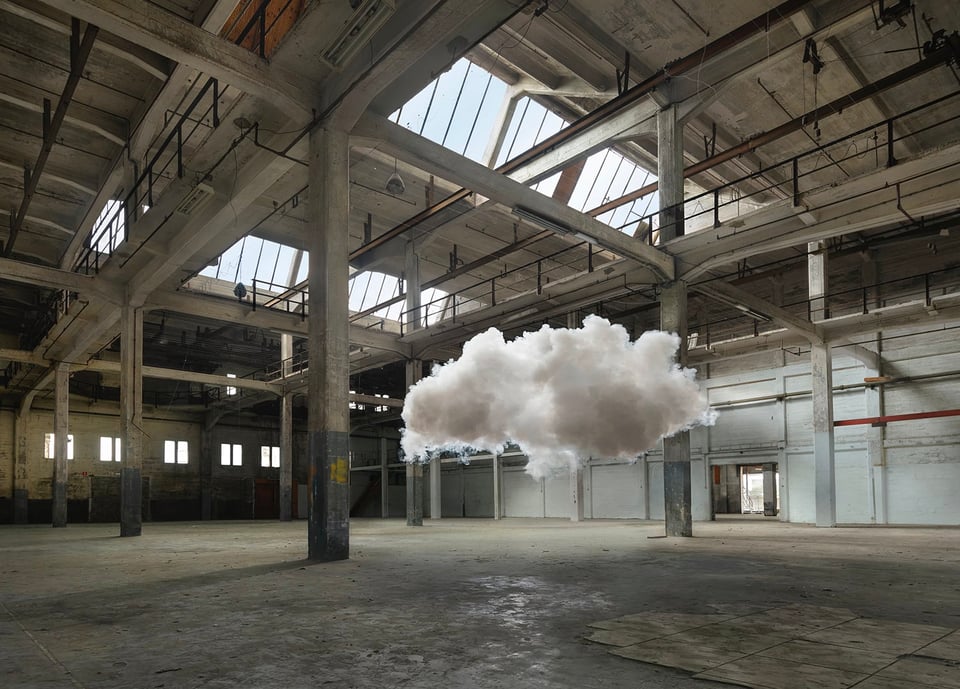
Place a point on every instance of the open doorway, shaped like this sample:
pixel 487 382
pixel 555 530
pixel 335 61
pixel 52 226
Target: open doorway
pixel 746 489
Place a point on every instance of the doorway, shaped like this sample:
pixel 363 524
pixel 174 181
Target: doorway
pixel 266 499
pixel 746 489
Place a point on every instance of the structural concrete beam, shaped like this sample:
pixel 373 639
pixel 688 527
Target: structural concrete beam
pixel 741 299
pixel 54 278
pixel 640 118
pixel 82 116
pixel 148 25
pixel 136 55
pixel 217 308
pixel 450 165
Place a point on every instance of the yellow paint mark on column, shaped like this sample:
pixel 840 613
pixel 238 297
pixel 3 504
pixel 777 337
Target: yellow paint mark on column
pixel 339 471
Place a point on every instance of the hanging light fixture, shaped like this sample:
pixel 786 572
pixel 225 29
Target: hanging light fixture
pixel 395 183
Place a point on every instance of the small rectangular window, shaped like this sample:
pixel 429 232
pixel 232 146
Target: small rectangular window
pixel 176 452
pixel 50 446
pixel 231 455
pixel 109 449
pixel 270 456
pixel 231 390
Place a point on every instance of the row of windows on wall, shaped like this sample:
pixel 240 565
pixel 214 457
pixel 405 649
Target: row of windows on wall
pixel 174 451
pixel 232 455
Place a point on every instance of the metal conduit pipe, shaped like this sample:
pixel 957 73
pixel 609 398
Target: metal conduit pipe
pixel 837 388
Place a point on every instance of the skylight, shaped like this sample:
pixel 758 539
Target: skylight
pixel 253 258
pixel 457 110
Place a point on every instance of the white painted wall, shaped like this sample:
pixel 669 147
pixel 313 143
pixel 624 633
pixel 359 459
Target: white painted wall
pixel 915 479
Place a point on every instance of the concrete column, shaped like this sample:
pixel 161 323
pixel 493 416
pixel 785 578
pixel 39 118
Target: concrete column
pixel 414 371
pixel 817 281
pixel 821 373
pixel 436 474
pixel 384 480
pixel 874 404
pixel 286 434
pixel 824 467
pixel 677 496
pixel 411 278
pixel 21 473
pixel 131 420
pixel 328 531
pixel 770 490
pixel 497 483
pixel 576 470
pixel 670 173
pixel 61 428
pixel 576 494
pixel 208 458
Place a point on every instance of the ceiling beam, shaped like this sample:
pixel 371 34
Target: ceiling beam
pixel 450 165
pixel 231 311
pixel 79 52
pixel 151 63
pixel 638 119
pixel 54 278
pixel 29 97
pixel 745 301
pixel 148 25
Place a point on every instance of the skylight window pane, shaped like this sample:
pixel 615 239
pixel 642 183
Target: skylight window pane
pixel 470 99
pixel 552 124
pixel 533 117
pixel 412 114
pixel 486 120
pixel 285 256
pixel 249 259
pixel 445 98
pixel 590 171
pixel 268 261
pixel 227 267
pixel 549 185
pixel 601 183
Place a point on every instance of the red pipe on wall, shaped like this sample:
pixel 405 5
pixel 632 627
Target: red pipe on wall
pixel 874 420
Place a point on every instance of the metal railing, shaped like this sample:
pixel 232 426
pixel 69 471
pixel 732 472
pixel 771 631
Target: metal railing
pixel 859 300
pixel 796 174
pixel 487 291
pixel 270 295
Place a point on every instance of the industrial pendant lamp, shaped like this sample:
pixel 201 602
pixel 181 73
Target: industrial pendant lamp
pixel 395 183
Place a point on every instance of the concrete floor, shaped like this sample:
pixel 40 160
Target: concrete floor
pixel 457 603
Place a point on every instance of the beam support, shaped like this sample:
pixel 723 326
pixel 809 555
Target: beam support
pixel 497 499
pixel 558 216
pixel 61 429
pixel 131 419
pixel 286 435
pixel 825 492
pixel 670 173
pixel 384 479
pixel 21 486
pixel 821 374
pixel 414 372
pixel 576 469
pixel 677 496
pixel 329 346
